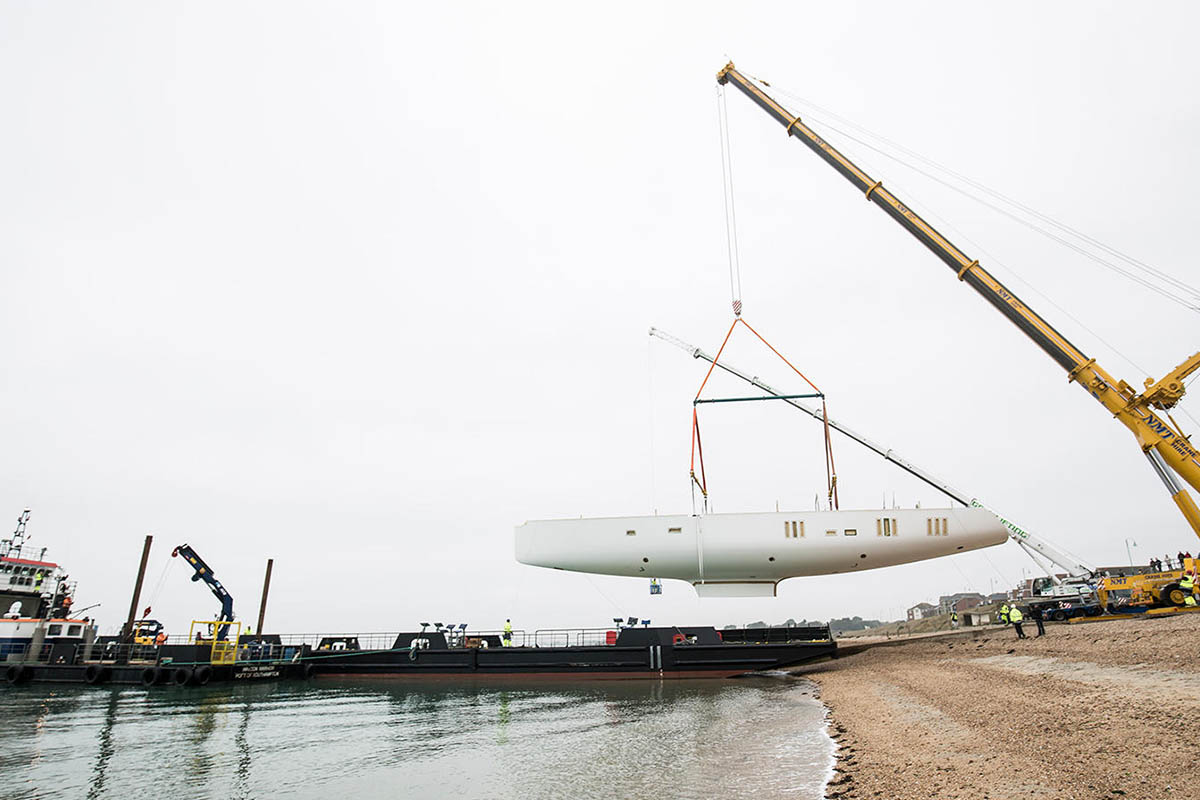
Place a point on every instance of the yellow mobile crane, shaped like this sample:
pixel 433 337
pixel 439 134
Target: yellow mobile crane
pixel 1170 452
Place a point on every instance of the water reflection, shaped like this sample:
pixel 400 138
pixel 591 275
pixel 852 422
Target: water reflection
pixel 104 746
pixel 517 738
pixel 502 719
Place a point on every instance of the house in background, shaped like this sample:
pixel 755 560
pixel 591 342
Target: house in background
pixel 959 602
pixel 921 611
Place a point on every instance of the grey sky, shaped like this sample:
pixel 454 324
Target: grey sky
pixel 362 287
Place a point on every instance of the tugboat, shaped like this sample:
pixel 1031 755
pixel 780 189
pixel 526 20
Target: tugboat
pixel 35 600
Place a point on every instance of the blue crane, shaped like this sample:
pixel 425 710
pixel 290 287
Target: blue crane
pixel 204 573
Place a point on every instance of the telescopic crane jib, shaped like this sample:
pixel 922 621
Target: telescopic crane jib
pixel 204 573
pixel 1170 452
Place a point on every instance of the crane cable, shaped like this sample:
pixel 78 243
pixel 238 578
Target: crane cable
pixel 731 244
pixel 1182 288
pixel 735 299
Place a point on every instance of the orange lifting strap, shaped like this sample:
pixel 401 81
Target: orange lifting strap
pixel 698 448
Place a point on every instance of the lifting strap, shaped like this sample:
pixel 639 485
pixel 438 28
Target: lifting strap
pixel 698 448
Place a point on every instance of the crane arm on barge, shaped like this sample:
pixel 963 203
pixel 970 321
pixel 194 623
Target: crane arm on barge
pixel 204 573
pixel 1041 551
pixel 1170 452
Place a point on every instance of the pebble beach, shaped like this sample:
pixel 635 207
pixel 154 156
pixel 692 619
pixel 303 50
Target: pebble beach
pixel 1102 710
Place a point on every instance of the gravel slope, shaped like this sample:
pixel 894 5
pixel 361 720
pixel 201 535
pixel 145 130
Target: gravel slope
pixel 1103 710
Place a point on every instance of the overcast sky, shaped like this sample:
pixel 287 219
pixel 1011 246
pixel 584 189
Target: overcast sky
pixel 361 288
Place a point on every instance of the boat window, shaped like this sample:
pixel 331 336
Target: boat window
pixel 831 533
pixel 786 530
pixel 851 532
pixel 54 630
pixel 895 527
pixel 631 533
pixel 73 630
pixel 674 530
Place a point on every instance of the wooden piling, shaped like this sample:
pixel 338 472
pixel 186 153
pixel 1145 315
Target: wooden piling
pixel 127 631
pixel 262 608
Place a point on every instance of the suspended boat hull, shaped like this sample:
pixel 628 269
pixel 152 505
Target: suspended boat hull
pixel 747 555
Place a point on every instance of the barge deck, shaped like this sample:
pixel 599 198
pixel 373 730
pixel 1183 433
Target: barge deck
pixel 628 653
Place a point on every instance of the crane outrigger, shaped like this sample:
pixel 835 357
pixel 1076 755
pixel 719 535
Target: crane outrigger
pixel 1168 450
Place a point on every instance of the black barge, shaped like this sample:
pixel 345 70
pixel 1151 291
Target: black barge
pixel 628 653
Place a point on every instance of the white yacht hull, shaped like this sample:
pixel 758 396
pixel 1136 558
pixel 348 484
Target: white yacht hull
pixel 747 555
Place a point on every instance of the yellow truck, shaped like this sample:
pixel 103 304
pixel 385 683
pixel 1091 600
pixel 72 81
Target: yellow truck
pixel 1135 592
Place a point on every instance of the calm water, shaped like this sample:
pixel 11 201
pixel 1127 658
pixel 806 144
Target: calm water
pixel 750 737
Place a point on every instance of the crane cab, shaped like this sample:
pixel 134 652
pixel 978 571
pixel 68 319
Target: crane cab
pixel 146 631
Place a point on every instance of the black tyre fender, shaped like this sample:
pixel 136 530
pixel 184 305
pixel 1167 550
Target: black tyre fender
pixel 149 676
pixel 308 671
pixel 203 675
pixel 16 673
pixel 182 676
pixel 95 674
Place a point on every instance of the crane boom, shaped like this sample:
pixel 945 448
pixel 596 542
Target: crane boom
pixel 204 573
pixel 1170 452
pixel 1036 547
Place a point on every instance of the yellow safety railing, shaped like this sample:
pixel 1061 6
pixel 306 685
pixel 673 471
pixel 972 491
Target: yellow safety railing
pixel 223 652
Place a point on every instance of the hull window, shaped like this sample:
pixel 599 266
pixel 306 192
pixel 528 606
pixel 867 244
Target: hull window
pixel 851 532
pixel 631 533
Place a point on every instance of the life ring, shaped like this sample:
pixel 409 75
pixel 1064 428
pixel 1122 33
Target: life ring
pixel 182 676
pixel 203 675
pixel 16 673
pixel 95 674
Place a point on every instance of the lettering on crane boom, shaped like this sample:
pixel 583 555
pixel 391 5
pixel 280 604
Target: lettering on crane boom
pixel 1163 430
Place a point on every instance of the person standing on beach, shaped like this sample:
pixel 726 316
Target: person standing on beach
pixel 1004 614
pixel 1015 617
pixel 953 619
pixel 1037 614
